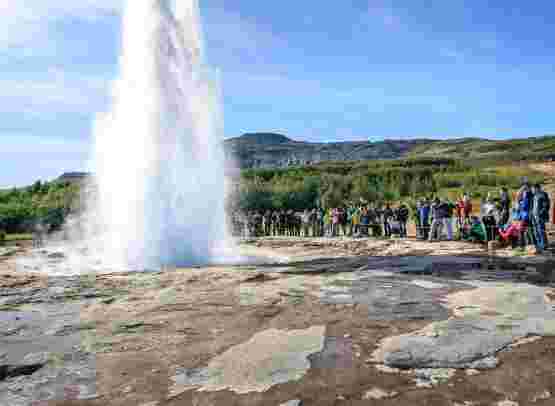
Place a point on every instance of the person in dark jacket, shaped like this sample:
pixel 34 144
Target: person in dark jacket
pixel 540 216
pixel 504 207
pixel 387 217
pixel 437 220
pixel 403 218
pixel 424 215
pixel 525 201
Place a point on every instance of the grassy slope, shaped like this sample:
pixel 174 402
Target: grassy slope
pixel 474 148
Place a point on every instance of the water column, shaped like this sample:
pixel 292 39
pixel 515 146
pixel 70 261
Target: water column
pixel 158 153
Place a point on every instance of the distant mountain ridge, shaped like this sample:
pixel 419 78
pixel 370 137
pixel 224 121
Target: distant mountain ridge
pixel 272 150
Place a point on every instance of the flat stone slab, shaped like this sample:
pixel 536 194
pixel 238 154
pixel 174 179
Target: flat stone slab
pixel 269 358
pixel 489 319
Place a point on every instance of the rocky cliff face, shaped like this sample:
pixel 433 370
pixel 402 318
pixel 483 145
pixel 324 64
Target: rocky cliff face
pixel 267 150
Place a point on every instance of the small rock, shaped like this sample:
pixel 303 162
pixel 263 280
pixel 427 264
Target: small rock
pixel 525 340
pixel 295 402
pixel 377 393
pixel 507 403
pixel 36 358
pixel 542 396
pixel 128 389
pixel 429 377
pixel 472 372
pixel 484 363
pixel 347 336
pixel 154 403
pixel 341 397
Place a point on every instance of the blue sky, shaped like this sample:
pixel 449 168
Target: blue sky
pixel 319 71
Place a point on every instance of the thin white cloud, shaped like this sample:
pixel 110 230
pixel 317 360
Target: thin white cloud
pixel 25 21
pixel 54 91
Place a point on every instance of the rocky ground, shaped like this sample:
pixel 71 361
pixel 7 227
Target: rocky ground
pixel 326 322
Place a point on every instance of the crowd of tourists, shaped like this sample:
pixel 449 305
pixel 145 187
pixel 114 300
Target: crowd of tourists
pixel 518 222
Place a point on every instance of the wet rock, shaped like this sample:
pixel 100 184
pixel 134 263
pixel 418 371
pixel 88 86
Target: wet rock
pixel 507 403
pixel 428 377
pixel 255 366
pixel 337 353
pixel 501 314
pixel 378 393
pixel 484 363
pixel 456 344
pixel 30 364
pixel 295 402
pixel 541 396
pixel 56 255
pixel 70 329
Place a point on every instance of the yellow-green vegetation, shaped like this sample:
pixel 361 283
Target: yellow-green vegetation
pixel 47 203
pixel 18 237
pixel 336 183
pixel 128 327
pixel 474 148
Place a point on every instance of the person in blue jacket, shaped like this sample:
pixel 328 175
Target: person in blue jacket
pixel 524 203
pixel 524 200
pixel 424 213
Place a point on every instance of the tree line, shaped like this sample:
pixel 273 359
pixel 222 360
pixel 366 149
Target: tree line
pixel 47 203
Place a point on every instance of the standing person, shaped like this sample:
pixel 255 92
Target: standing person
pixel 416 217
pixel 467 208
pixel 275 223
pixel 403 218
pixel 424 215
pixel 343 221
pixel 364 221
pixel 540 216
pixel 504 207
pixel 524 206
pixel 326 222
pixel 282 222
pixel 349 213
pixel 448 220
pixel 321 213
pixel 387 217
pixel 459 212
pixel 437 220
pixel 488 218
pixel 305 219
pixel 334 222
pixel 378 228
pixel 356 220
pixel 314 222
pixel 267 223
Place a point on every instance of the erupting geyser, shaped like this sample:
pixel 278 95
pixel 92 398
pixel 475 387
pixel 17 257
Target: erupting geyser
pixel 158 154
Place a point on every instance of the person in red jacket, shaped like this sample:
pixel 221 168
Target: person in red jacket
pixel 467 208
